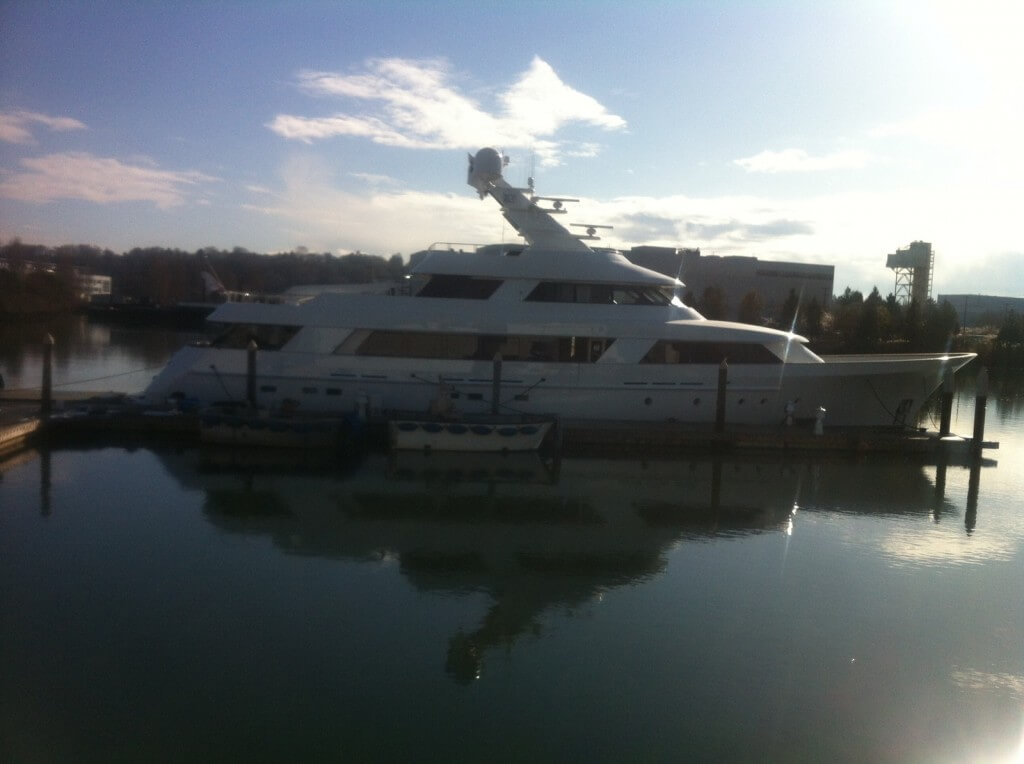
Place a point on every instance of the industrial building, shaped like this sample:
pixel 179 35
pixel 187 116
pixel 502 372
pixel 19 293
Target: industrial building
pixel 738 275
pixel 913 266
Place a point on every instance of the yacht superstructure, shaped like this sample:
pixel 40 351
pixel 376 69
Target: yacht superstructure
pixel 580 332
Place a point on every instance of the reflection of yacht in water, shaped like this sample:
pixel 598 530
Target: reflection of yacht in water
pixel 582 334
pixel 531 534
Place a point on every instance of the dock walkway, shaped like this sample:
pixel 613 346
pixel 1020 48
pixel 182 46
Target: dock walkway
pixel 86 416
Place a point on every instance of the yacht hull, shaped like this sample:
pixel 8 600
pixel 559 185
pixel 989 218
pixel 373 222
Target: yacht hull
pixel 862 391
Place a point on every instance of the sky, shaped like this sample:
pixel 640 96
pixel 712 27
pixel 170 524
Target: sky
pixel 820 132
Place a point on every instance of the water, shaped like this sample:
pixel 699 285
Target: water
pixel 87 355
pixel 161 603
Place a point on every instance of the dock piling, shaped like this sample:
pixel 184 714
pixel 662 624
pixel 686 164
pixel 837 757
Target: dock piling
pixel 496 383
pixel 723 381
pixel 250 374
pixel 947 404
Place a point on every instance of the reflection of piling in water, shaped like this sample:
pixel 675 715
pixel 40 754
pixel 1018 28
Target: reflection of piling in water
pixel 716 483
pixel 46 405
pixel 44 482
pixel 940 483
pixel 973 484
pixel 980 400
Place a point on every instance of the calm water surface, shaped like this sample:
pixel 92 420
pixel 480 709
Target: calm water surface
pixel 161 603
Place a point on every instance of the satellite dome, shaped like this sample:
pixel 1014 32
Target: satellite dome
pixel 487 164
pixel 484 169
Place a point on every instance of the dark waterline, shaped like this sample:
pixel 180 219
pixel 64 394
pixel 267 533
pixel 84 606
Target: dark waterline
pixel 186 604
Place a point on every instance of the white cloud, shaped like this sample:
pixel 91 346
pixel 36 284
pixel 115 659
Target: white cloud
pixel 419 108
pixel 853 230
pixel 798 160
pixel 374 179
pixel 101 180
pixel 15 126
pixel 317 213
pixel 540 104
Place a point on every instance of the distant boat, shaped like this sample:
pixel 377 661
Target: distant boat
pixel 479 433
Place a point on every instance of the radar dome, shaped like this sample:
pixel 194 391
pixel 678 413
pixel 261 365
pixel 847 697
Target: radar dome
pixel 484 169
pixel 487 164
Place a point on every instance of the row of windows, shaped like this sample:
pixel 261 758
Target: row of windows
pixel 553 349
pixel 466 288
pixel 483 347
pixel 460 287
pixel 601 294
pixel 666 351
pixel 266 336
pixel 308 390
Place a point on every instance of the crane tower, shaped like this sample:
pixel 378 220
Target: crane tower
pixel 913 266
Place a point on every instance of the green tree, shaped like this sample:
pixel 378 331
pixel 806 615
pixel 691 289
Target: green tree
pixel 787 313
pixel 751 308
pixel 940 326
pixel 1012 330
pixel 849 297
pixel 872 323
pixel 812 318
pixel 913 326
pixel 712 303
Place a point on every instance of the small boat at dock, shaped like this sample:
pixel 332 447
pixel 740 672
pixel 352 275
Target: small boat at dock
pixel 244 428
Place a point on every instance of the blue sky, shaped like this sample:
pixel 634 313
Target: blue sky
pixel 821 132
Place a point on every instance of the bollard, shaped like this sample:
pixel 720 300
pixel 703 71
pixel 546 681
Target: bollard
pixel 723 380
pixel 819 421
pixel 496 383
pixel 980 399
pixel 947 404
pixel 46 404
pixel 250 374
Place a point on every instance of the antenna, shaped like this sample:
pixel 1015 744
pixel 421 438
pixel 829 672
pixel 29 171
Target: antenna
pixel 591 230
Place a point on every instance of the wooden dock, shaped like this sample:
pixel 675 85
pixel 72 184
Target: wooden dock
pixel 624 437
pixel 82 418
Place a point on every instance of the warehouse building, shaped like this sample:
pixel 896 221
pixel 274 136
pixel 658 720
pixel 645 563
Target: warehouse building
pixel 736 276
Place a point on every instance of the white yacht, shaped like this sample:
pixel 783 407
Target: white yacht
pixel 581 333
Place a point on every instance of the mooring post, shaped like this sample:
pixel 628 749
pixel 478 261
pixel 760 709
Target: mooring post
pixel 496 383
pixel 723 381
pixel 980 399
pixel 947 403
pixel 46 403
pixel 250 374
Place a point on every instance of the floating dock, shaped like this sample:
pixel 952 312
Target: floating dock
pixel 81 417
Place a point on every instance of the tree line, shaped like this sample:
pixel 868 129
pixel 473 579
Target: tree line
pixel 852 323
pixel 162 276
